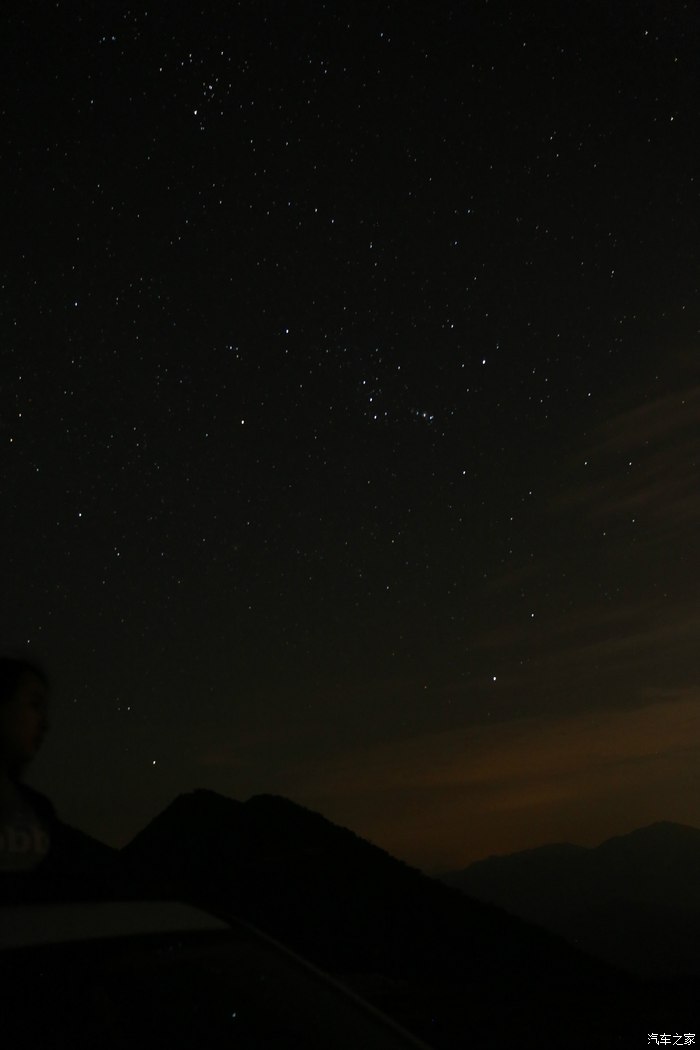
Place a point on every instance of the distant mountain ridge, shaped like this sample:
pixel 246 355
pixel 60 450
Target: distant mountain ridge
pixel 633 901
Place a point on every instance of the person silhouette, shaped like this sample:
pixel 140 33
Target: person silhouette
pixel 42 857
pixel 27 818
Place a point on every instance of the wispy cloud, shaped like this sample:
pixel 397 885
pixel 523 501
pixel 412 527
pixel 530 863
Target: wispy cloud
pixel 643 463
pixel 476 784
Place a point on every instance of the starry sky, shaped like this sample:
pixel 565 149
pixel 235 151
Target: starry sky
pixel 349 411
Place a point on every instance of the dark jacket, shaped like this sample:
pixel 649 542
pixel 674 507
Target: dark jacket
pixel 77 866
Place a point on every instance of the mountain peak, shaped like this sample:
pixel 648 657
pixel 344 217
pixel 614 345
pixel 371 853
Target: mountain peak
pixel 659 834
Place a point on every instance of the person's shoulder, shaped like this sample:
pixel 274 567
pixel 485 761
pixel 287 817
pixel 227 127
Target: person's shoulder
pixel 42 805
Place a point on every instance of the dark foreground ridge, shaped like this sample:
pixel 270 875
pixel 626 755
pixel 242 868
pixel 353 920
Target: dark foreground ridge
pixel 454 970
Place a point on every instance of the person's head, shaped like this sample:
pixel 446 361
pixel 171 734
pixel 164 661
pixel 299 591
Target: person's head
pixel 24 691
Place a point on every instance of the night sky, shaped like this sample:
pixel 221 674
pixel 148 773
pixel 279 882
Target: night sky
pixel 349 411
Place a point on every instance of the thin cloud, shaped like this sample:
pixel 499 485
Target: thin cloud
pixel 477 785
pixel 643 464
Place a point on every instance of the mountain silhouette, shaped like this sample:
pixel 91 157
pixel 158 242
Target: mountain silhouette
pixel 633 901
pixel 292 872
pixel 451 968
